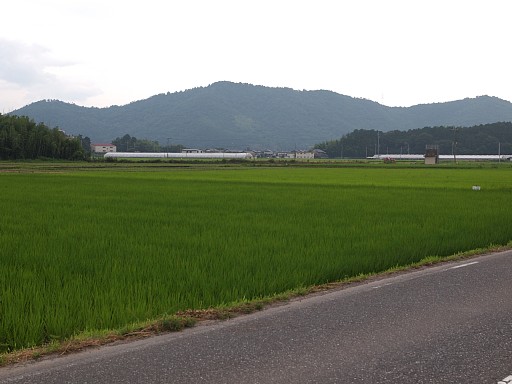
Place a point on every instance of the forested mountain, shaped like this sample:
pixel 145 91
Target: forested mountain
pixel 485 139
pixel 240 116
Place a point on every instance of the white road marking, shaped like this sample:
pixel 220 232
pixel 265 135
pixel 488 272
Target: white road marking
pixel 506 380
pixel 464 265
pixel 383 285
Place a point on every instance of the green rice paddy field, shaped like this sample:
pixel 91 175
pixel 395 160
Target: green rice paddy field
pixel 99 249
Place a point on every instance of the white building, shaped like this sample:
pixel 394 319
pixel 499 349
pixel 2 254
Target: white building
pixel 103 148
pixel 304 155
pixel 191 150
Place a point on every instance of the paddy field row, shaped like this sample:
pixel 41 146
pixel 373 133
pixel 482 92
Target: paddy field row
pixel 89 250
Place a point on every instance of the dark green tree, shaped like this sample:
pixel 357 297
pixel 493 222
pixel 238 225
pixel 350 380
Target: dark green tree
pixel 22 138
pixel 476 140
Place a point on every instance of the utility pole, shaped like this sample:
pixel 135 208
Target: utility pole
pixel 454 144
pixel 378 143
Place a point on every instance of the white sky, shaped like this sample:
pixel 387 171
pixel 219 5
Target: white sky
pixel 396 52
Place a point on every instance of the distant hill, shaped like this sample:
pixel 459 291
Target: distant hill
pixel 238 116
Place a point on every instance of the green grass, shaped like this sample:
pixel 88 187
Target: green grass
pixel 87 250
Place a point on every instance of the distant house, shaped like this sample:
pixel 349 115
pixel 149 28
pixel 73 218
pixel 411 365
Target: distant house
pixel 191 150
pixel 103 148
pixel 319 154
pixel 304 155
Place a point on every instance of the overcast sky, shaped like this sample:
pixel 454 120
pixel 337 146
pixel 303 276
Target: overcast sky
pixel 396 52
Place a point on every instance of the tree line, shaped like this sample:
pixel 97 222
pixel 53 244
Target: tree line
pixel 129 143
pixel 22 138
pixel 483 139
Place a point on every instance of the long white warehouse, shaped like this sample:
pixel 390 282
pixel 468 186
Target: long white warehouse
pixel 443 157
pixel 171 155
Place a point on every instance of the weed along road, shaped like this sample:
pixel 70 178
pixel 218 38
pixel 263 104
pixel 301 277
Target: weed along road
pixel 446 324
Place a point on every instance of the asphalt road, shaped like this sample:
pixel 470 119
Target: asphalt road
pixel 447 324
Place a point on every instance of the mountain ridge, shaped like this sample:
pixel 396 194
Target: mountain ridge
pixel 239 116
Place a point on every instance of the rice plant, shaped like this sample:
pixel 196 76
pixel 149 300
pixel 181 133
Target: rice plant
pixel 96 249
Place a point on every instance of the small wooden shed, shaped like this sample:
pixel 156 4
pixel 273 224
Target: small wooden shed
pixel 432 154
